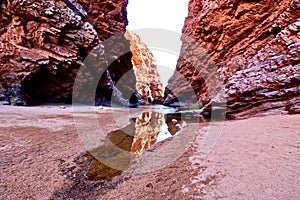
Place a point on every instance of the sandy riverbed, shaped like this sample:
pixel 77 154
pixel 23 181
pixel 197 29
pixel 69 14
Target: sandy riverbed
pixel 41 158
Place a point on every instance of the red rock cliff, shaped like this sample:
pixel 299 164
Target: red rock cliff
pixel 256 49
pixel 148 84
pixel 43 44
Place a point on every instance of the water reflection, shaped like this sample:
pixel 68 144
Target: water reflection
pixel 147 128
pixel 123 146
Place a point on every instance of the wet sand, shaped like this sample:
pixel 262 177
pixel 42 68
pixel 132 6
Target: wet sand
pixel 41 158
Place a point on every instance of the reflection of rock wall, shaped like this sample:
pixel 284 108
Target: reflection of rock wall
pixel 255 45
pixel 148 79
pixel 44 42
pixel 121 146
pixel 147 127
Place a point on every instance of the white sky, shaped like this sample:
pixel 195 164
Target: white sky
pixel 158 14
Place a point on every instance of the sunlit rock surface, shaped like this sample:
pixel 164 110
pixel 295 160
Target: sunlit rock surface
pixel 256 49
pixel 148 84
pixel 43 43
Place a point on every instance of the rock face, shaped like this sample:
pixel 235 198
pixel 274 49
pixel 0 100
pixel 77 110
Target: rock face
pixel 255 46
pixel 43 44
pixel 149 85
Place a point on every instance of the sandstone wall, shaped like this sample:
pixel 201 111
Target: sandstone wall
pixel 148 85
pixel 256 49
pixel 43 43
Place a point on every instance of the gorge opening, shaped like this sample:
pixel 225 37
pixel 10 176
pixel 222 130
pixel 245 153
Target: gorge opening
pixel 155 15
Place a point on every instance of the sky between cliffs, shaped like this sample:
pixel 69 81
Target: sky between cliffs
pixel 158 14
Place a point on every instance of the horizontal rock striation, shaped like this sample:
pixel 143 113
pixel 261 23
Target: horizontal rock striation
pixel 43 44
pixel 255 46
pixel 148 83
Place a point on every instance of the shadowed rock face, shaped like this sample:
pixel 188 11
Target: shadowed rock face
pixel 43 43
pixel 255 47
pixel 148 83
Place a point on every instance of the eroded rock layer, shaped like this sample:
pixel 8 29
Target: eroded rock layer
pixel 44 43
pixel 149 85
pixel 256 50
